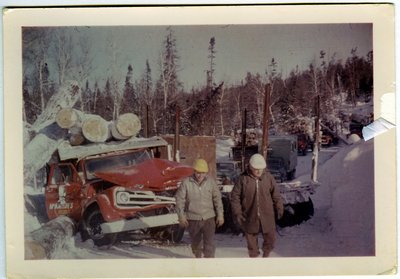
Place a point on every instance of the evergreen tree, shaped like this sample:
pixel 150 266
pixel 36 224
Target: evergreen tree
pixel 168 85
pixel 105 102
pixel 144 89
pixel 211 56
pixel 129 98
pixel 87 98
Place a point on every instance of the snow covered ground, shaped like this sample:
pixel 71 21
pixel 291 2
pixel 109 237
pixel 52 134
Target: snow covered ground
pixel 343 224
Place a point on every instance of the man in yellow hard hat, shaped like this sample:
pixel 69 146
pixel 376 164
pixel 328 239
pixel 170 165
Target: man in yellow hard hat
pixel 199 208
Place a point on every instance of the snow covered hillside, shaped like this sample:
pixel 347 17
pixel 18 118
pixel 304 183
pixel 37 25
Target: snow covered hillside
pixel 343 224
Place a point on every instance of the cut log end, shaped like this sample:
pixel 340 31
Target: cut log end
pixel 50 238
pixel 34 250
pixel 96 129
pixel 128 125
pixel 67 118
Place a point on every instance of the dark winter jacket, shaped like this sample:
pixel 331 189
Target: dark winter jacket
pixel 257 204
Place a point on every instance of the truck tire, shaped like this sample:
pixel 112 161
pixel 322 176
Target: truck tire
pixel 289 217
pixel 291 175
pixel 92 229
pixel 308 210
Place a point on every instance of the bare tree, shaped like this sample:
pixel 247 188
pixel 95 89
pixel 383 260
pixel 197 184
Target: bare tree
pixel 115 78
pixel 82 63
pixel 273 77
pixel 64 49
pixel 256 86
pixel 36 53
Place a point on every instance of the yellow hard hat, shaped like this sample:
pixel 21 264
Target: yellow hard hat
pixel 200 165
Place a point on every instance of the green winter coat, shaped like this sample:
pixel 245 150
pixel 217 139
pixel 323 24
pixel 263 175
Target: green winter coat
pixel 246 201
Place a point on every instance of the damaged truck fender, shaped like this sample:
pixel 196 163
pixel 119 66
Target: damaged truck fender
pixel 103 202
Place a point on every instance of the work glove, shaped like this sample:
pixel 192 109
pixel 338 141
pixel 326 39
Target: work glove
pixel 240 219
pixel 220 221
pixel 183 222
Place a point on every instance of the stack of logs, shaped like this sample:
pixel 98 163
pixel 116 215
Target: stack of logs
pixel 93 128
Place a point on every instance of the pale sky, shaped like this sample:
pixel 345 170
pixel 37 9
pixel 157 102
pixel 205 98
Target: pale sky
pixel 240 48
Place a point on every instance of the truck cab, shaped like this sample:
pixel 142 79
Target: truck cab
pixel 285 148
pixel 114 188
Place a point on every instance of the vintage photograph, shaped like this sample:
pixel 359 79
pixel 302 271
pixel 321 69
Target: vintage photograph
pixel 185 141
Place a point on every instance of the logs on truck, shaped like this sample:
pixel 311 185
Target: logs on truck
pixel 109 183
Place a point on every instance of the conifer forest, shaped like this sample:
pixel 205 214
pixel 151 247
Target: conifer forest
pixel 52 56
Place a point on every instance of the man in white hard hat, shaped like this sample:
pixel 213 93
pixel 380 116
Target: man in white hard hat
pixel 199 208
pixel 256 202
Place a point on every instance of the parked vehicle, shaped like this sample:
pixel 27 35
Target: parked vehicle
pixel 285 148
pixel 356 128
pixel 303 143
pixel 326 139
pixel 228 171
pixel 276 167
pixel 110 189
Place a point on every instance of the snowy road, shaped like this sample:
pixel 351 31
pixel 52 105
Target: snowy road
pixel 304 162
pixel 297 241
pixel 342 225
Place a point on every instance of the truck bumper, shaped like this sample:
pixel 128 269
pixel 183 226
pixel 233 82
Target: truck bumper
pixel 140 223
pixel 297 192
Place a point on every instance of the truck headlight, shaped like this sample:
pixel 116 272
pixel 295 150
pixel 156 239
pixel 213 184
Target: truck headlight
pixel 122 197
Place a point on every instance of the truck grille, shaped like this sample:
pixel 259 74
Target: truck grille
pixel 140 199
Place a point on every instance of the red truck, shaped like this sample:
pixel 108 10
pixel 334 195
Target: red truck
pixel 114 188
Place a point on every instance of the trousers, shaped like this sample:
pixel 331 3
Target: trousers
pixel 252 243
pixel 202 234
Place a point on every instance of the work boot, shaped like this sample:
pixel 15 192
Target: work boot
pixel 266 254
pixel 198 255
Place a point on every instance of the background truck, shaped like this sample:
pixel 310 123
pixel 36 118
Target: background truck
pixel 281 162
pixel 284 149
pixel 114 188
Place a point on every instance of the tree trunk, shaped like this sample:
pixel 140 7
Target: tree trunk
pixel 265 130
pixel 43 242
pixel 314 160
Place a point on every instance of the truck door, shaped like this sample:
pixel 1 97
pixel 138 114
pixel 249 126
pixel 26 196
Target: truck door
pixel 63 191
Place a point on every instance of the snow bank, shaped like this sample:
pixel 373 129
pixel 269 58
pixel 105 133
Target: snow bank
pixel 349 179
pixel 31 223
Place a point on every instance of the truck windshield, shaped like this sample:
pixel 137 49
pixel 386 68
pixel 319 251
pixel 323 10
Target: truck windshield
pixel 274 163
pixel 225 167
pixel 115 161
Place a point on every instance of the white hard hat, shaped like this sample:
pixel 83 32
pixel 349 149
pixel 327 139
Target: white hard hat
pixel 257 161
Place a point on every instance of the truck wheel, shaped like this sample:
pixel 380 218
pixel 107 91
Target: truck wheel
pixel 289 217
pixel 309 209
pixel 291 175
pixel 92 228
